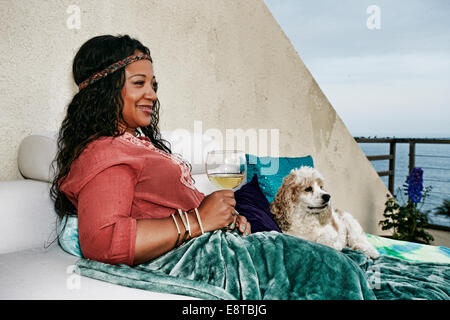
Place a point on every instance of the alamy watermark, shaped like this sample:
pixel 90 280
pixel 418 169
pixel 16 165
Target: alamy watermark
pixel 73 281
pixel 260 144
pixel 374 277
pixel 374 20
pixel 74 19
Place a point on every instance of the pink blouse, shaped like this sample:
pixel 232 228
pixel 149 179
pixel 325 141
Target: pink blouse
pixel 116 181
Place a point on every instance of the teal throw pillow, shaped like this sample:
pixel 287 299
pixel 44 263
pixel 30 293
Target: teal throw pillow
pixel 272 170
pixel 68 238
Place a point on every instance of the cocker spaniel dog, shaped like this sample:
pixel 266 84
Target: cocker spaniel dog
pixel 302 209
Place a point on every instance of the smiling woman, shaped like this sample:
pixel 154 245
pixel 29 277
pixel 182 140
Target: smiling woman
pixel 97 109
pixel 134 199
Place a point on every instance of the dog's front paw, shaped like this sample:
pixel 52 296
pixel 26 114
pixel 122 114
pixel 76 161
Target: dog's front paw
pixel 372 253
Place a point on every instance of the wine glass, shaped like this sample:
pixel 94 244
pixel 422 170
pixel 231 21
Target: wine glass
pixel 226 168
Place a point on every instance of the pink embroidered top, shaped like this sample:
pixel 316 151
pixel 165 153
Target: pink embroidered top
pixel 116 181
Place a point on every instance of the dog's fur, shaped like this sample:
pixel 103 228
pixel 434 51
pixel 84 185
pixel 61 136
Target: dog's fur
pixel 302 209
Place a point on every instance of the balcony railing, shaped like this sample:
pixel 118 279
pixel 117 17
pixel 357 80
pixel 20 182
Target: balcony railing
pixel 412 160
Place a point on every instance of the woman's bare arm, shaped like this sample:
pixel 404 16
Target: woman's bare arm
pixel 154 237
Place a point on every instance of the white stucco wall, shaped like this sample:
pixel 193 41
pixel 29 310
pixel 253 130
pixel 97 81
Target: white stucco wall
pixel 226 63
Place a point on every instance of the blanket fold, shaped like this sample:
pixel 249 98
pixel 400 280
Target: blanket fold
pixel 225 265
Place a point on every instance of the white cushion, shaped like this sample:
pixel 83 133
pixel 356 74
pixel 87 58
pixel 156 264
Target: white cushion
pixel 48 274
pixel 36 153
pixel 27 213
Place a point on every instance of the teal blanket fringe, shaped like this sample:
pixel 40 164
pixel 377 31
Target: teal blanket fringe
pixel 274 266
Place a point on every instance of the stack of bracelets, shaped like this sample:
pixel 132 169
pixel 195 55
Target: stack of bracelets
pixel 187 226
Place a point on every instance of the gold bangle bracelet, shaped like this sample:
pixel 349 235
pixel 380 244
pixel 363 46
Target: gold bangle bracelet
pixel 188 224
pixel 186 227
pixel 199 220
pixel 178 229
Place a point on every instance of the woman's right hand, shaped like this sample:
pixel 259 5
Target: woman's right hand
pixel 217 210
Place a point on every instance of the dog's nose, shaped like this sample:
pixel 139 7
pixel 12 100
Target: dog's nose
pixel 326 197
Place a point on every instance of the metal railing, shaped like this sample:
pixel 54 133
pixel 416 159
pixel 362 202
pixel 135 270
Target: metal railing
pixel 412 160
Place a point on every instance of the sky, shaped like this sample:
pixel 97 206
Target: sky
pixel 384 65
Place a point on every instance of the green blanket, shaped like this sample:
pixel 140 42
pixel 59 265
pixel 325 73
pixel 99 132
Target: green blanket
pixel 271 265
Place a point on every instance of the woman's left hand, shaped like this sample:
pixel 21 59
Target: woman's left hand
pixel 243 225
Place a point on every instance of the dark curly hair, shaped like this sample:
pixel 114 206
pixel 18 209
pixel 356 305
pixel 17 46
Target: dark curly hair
pixel 96 110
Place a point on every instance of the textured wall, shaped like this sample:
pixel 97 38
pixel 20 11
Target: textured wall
pixel 224 62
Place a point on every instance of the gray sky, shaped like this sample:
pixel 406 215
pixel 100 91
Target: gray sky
pixel 391 81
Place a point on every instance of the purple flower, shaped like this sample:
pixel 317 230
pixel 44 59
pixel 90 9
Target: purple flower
pixel 415 185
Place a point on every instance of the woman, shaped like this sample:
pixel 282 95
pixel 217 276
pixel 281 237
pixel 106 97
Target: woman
pixel 116 172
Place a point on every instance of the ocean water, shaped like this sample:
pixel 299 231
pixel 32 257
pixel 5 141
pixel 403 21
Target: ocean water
pixel 434 159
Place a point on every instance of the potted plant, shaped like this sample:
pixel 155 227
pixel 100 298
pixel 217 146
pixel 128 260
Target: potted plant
pixel 444 208
pixel 407 220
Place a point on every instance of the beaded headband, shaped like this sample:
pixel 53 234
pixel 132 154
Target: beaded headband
pixel 114 67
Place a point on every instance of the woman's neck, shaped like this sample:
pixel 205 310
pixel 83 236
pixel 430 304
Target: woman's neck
pixel 129 130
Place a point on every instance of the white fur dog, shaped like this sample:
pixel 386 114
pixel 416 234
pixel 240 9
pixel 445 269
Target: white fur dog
pixel 302 209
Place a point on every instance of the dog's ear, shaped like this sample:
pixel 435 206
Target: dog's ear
pixel 283 204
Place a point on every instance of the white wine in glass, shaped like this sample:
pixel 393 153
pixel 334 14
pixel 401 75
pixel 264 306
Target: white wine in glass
pixel 226 180
pixel 226 168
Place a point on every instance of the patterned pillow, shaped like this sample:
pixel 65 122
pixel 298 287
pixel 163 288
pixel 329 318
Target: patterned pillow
pixel 68 238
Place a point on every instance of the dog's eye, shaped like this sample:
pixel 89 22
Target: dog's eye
pixel 309 189
pixel 321 187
